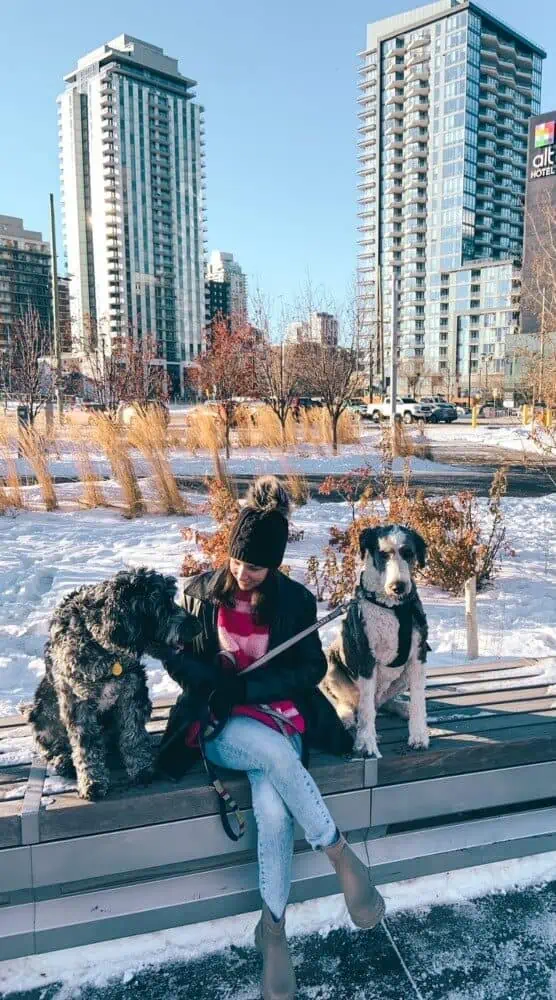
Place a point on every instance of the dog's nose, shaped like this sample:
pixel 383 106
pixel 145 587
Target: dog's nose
pixel 398 587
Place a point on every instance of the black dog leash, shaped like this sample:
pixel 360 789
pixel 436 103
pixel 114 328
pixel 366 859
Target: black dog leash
pixel 227 805
pixel 211 727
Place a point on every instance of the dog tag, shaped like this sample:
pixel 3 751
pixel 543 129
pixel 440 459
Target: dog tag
pixel 117 669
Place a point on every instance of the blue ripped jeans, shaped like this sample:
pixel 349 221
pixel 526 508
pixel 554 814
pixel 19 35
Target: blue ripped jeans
pixel 282 791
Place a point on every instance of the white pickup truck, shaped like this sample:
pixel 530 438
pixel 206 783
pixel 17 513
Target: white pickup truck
pixel 407 408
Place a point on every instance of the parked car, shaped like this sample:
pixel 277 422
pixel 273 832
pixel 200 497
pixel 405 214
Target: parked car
pixel 433 399
pixel 443 413
pixel 128 412
pixel 463 411
pixel 357 406
pixel 406 407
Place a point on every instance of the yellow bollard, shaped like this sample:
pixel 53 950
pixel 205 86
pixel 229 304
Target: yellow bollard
pixel 548 417
pixel 524 414
pixel 474 416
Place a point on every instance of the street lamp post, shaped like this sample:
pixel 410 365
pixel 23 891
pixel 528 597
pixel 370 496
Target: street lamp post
pixel 58 381
pixel 469 380
pixel 487 358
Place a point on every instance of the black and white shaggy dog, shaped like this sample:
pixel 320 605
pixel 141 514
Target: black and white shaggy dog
pixel 382 648
pixel 95 687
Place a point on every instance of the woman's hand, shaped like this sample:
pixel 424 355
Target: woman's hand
pixel 230 691
pixel 188 670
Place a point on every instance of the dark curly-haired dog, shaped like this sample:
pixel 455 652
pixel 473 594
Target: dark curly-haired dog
pixel 95 684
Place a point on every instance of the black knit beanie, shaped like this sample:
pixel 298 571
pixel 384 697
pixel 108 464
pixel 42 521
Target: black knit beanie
pixel 260 534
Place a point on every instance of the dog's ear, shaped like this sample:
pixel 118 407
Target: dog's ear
pixel 171 585
pixel 368 541
pixel 420 546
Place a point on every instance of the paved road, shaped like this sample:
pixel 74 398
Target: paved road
pixel 497 948
pixel 522 482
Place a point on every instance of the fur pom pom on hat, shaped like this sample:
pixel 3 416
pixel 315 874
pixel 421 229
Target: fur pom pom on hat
pixel 260 534
pixel 266 494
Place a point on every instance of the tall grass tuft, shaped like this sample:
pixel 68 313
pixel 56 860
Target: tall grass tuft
pixel 4 500
pixel 34 449
pixel 297 488
pixel 349 428
pixel 314 425
pixel 259 427
pixel 148 433
pixel 7 454
pixel 203 430
pixel 93 493
pixel 109 436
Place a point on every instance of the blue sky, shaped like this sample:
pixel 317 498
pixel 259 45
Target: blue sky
pixel 278 81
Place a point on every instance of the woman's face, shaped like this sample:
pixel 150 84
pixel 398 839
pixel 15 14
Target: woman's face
pixel 247 576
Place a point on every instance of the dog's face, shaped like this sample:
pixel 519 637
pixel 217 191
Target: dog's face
pixel 146 614
pixel 390 557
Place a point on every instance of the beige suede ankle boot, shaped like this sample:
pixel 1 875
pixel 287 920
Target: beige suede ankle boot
pixel 278 974
pixel 365 904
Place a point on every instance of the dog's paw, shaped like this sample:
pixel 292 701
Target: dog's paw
pixel 63 766
pixel 144 776
pixel 92 789
pixel 418 741
pixel 368 747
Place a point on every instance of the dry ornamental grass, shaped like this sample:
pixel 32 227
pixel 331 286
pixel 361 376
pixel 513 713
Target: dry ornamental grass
pixel 297 488
pixel 148 433
pixel 204 430
pixel 110 438
pixel 34 449
pixel 93 494
pixel 8 452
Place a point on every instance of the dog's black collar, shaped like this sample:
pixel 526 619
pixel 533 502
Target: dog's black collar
pixel 404 612
pixel 370 595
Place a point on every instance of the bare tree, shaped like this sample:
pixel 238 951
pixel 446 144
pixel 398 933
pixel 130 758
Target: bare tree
pixel 536 346
pixel 539 277
pixel 334 377
pixel 27 376
pixel 277 362
pixel 412 371
pixel 329 366
pixel 125 370
pixel 225 370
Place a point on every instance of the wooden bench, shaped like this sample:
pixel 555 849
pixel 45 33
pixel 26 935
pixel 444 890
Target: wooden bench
pixel 73 872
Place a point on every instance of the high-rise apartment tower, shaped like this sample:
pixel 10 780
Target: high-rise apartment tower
pixel 446 94
pixel 131 156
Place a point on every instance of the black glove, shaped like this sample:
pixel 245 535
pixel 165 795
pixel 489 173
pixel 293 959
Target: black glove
pixel 186 669
pixel 230 690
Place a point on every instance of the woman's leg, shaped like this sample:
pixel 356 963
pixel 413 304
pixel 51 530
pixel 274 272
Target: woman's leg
pixel 248 745
pixel 275 852
pixel 274 842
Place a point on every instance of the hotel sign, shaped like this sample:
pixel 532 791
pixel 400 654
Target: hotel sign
pixel 542 159
pixel 540 206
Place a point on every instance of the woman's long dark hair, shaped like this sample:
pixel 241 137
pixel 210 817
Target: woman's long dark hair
pixel 224 590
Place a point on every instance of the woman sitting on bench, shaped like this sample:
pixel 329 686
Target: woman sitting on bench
pixel 245 608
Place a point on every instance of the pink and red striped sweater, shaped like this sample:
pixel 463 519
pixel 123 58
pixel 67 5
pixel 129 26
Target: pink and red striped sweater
pixel 240 635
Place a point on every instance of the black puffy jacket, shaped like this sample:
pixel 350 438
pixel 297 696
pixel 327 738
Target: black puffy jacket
pixel 292 676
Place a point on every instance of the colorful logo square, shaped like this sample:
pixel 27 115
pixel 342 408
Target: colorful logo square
pixel 544 134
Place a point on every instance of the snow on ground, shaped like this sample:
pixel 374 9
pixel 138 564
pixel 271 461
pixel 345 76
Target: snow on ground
pixel 44 556
pixel 498 436
pixel 311 459
pixel 122 959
